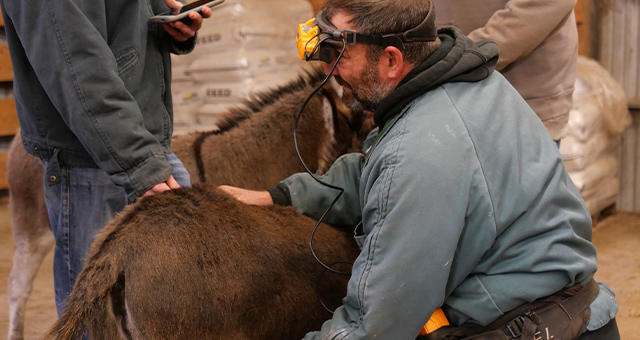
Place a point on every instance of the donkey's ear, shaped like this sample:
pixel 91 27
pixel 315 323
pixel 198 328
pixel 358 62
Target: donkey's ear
pixel 335 92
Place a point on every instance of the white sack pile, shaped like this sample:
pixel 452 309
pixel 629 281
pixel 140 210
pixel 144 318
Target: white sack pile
pixel 598 119
pixel 247 46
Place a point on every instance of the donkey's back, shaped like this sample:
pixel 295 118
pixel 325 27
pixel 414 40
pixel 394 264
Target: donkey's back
pixel 197 264
pixel 253 149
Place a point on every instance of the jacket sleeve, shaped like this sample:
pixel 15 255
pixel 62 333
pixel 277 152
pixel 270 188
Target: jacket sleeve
pixel 184 47
pixel 402 273
pixel 79 72
pixel 312 198
pixel 521 26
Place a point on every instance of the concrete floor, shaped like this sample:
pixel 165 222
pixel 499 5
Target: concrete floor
pixel 616 237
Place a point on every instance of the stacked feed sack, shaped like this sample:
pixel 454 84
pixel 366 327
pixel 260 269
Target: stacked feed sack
pixel 598 119
pixel 247 46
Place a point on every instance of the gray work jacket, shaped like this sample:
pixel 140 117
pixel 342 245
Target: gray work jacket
pixel 464 203
pixel 92 85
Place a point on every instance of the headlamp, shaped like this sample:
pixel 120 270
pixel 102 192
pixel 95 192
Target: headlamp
pixel 310 47
pixel 318 39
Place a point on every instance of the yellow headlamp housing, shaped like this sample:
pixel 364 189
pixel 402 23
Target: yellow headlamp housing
pixel 318 39
pixel 307 38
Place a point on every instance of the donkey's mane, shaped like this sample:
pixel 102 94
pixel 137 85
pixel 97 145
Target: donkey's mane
pixel 260 100
pixel 256 103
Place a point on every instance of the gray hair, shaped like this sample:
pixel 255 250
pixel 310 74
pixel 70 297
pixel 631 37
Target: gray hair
pixel 387 16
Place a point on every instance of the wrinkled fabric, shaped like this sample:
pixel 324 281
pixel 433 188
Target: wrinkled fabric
pixel 92 82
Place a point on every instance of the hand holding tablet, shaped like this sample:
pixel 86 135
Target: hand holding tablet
pixel 183 15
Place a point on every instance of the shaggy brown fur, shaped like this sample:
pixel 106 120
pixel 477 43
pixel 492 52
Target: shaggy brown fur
pixel 258 140
pixel 253 149
pixel 197 264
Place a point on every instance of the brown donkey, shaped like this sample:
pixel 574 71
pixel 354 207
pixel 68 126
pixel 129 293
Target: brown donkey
pixel 252 149
pixel 195 263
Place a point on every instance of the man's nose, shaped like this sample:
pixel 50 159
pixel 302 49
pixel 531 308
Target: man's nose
pixel 328 66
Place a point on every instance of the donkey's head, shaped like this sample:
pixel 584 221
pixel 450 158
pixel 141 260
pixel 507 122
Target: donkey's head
pixel 254 146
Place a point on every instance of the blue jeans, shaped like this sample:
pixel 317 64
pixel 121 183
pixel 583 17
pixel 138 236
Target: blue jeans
pixel 607 332
pixel 83 202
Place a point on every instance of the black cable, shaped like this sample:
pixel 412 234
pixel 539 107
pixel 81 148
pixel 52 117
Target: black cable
pixel 316 178
pixel 317 47
pixel 320 280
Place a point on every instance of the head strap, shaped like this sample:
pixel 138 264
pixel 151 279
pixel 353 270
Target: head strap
pixel 426 31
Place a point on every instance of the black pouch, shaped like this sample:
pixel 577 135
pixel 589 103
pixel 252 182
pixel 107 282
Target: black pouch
pixel 561 316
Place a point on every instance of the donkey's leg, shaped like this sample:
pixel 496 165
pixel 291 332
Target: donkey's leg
pixel 27 259
pixel 31 231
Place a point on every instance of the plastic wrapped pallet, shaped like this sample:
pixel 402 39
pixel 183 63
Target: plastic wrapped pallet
pixel 244 48
pixel 591 177
pixel 578 155
pixel 604 196
pixel 598 118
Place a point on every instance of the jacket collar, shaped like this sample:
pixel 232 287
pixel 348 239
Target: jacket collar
pixel 458 59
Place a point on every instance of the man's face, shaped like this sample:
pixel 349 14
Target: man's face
pixel 360 77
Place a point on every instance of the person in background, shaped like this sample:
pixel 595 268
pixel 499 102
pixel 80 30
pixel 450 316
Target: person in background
pixel 460 199
pixel 92 84
pixel 538 43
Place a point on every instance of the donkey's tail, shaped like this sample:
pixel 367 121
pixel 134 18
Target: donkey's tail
pixel 90 295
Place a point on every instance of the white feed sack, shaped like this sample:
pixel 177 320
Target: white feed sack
pixel 604 196
pixel 247 46
pixel 579 155
pixel 598 118
pixel 588 180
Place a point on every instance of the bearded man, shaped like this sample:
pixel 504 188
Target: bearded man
pixel 460 197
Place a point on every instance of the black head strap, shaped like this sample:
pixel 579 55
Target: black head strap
pixel 426 31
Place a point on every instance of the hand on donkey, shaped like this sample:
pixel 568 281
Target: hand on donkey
pixel 169 184
pixel 246 196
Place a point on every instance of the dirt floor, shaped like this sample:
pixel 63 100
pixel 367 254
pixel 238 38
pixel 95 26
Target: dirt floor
pixel 616 237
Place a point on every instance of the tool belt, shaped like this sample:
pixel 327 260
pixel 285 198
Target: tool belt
pixel 561 316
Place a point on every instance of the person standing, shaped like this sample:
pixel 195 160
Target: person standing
pixel 538 43
pixel 92 84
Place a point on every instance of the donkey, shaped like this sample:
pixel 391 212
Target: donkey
pixel 195 263
pixel 240 153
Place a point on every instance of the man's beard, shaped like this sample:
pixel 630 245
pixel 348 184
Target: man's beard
pixel 367 91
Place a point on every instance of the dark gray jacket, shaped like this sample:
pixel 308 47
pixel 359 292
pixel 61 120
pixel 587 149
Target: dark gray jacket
pixel 92 83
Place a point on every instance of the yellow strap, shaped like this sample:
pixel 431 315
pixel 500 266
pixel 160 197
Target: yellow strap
pixel 437 320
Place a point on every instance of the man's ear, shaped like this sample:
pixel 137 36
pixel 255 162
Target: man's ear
pixel 392 62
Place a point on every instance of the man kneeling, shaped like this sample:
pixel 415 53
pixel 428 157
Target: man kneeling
pixel 460 196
